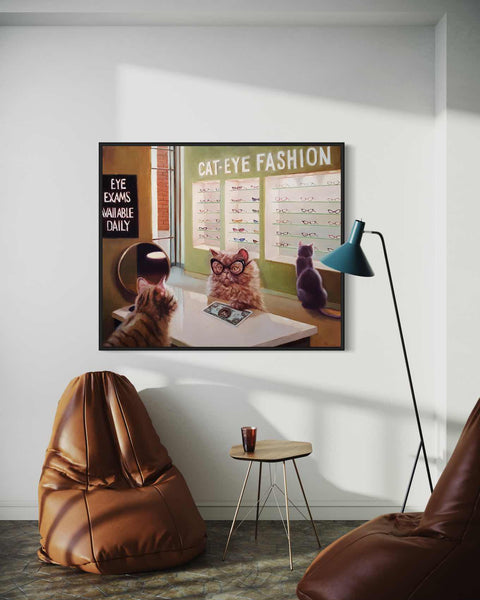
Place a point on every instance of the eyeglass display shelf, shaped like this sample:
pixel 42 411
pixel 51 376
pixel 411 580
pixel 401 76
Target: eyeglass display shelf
pixel 296 248
pixel 318 213
pixel 244 189
pixel 303 187
pixel 209 233
pixel 318 186
pixel 308 237
pixel 202 190
pixel 302 224
pixel 292 259
pixel 307 201
pixel 233 189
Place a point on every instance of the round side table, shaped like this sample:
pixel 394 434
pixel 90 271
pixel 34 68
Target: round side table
pixel 272 451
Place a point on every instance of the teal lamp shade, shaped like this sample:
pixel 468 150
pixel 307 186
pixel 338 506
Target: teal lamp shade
pixel 349 257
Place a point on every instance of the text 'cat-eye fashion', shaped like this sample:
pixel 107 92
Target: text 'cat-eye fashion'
pixel 236 268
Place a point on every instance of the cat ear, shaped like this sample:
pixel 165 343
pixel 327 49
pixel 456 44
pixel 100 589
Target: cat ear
pixel 242 253
pixel 213 252
pixel 161 284
pixel 142 283
pixel 310 246
pixel 300 243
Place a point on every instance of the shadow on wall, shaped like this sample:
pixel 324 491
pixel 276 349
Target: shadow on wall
pixel 187 420
pixel 338 63
pixel 199 420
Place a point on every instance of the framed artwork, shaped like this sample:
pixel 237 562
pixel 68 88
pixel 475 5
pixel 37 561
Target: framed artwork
pixel 207 246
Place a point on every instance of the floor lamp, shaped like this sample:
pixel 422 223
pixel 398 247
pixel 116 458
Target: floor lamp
pixel 350 258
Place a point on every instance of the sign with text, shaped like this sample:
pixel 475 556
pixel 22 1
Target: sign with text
pixel 119 206
pixel 279 160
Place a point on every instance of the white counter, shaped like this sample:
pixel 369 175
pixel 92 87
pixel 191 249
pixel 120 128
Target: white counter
pixel 190 326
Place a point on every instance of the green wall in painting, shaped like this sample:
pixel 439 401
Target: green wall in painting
pixel 206 163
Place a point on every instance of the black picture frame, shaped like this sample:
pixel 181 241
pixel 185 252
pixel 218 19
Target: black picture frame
pixel 102 145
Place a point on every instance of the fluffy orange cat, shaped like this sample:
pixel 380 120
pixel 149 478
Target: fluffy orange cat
pixel 235 280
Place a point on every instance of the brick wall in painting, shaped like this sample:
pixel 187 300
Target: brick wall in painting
pixel 163 189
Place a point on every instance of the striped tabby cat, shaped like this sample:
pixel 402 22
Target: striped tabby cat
pixel 147 326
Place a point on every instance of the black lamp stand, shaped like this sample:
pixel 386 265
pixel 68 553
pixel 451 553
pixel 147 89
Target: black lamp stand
pixel 421 447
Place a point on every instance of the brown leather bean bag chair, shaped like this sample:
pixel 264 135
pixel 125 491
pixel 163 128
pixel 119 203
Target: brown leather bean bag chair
pixel 433 555
pixel 110 499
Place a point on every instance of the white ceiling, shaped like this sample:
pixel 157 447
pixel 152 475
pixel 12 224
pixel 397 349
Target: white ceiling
pixel 223 12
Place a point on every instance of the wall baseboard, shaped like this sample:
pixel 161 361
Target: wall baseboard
pixel 224 512
pixel 18 513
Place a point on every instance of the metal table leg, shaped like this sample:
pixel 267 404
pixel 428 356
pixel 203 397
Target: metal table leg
pixel 306 503
pixel 238 507
pixel 272 487
pixel 288 516
pixel 258 500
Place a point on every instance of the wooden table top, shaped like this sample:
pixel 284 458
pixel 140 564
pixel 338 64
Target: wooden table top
pixel 272 451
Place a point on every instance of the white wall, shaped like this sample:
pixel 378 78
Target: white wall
pixel 65 89
pixel 463 215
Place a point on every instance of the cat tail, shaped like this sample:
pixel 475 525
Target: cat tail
pixel 330 313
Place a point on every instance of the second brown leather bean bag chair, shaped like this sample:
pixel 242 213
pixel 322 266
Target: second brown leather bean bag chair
pixel 433 555
pixel 110 500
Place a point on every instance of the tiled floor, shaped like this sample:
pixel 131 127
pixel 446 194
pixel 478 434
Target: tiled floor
pixel 252 571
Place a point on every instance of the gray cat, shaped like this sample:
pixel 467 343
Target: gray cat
pixel 310 290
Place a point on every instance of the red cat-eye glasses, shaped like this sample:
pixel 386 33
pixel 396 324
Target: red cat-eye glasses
pixel 236 268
